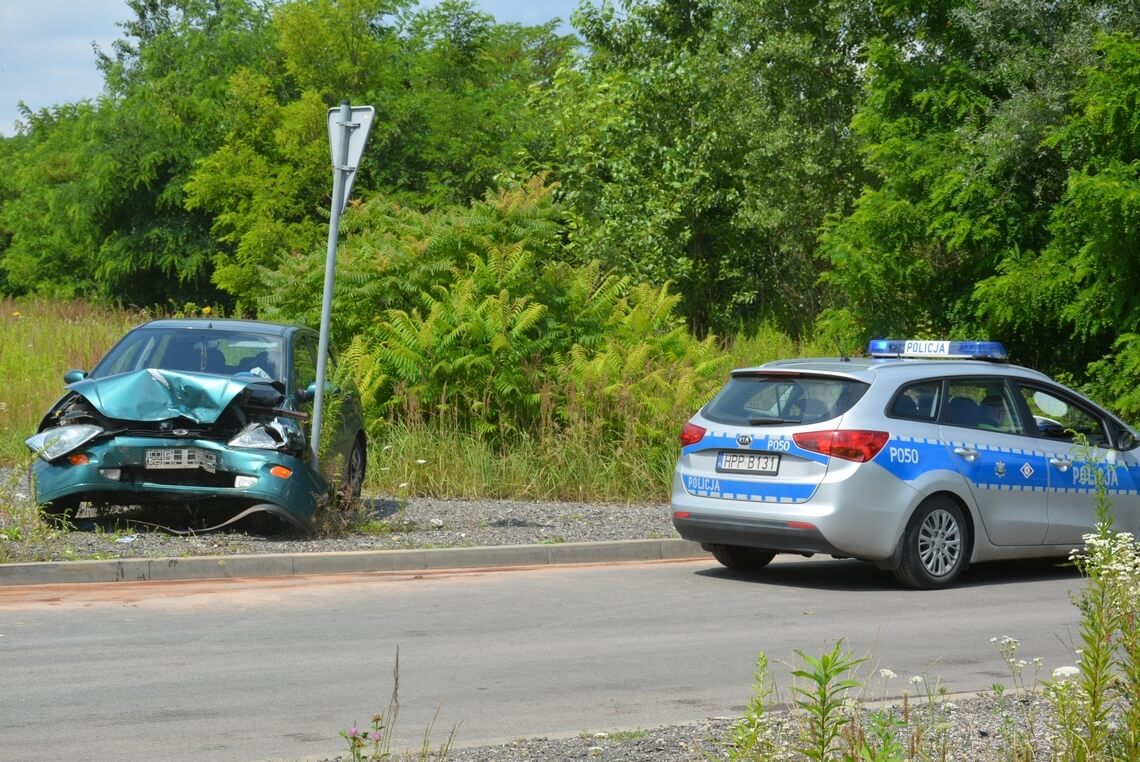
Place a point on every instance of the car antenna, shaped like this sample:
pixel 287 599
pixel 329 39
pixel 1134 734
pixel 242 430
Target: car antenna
pixel 842 355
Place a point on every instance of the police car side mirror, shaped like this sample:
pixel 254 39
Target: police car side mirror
pixel 1126 440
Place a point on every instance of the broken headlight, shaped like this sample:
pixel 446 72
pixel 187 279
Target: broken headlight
pixel 268 436
pixel 55 442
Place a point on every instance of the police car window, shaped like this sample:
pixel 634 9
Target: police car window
pixel 917 402
pixel 985 404
pixel 1059 418
pixel 758 399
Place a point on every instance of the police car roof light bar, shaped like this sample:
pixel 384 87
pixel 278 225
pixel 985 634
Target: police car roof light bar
pixel 946 350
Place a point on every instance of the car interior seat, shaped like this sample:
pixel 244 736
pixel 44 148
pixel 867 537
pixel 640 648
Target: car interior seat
pixel 962 411
pixel 259 360
pixel 216 361
pixel 183 355
pixel 905 407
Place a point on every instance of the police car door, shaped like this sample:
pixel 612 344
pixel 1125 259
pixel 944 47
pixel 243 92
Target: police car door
pixel 1075 438
pixel 993 448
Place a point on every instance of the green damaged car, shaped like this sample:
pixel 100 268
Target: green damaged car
pixel 200 411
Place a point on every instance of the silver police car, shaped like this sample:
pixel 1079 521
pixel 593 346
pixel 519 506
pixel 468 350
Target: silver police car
pixel 922 458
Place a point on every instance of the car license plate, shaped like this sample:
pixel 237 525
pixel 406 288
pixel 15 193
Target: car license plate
pixel 737 462
pixel 182 457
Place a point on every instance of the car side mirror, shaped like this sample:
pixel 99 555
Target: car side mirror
pixel 310 392
pixel 1126 440
pixel 73 375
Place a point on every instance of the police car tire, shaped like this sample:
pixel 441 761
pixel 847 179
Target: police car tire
pixel 739 558
pixel 936 537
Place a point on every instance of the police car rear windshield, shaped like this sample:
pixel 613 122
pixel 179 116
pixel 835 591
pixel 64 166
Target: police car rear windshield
pixel 774 400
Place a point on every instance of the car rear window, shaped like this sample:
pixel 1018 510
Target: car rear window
pixel 760 399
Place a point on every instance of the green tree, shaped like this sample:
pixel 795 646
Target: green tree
pixel 165 111
pixel 460 120
pixel 959 105
pixel 702 141
pixel 48 204
pixel 1087 278
pixel 450 91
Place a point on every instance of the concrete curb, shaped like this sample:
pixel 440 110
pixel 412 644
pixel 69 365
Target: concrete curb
pixel 296 564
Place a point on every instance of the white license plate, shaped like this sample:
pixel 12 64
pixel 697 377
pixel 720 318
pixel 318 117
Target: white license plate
pixel 738 462
pixel 182 457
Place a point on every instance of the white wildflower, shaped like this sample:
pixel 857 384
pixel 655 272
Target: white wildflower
pixel 420 461
pixel 886 674
pixel 915 680
pixel 1064 673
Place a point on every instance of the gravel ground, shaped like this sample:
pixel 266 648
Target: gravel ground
pixel 415 523
pixel 970 728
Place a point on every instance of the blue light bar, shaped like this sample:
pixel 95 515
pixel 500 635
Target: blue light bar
pixel 947 350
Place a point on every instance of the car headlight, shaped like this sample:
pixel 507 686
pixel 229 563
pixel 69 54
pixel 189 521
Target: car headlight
pixel 52 443
pixel 259 436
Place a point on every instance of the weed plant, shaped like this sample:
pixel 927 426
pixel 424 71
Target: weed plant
pixel 374 744
pixel 1090 711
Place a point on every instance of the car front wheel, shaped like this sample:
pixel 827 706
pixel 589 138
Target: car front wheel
pixel 353 480
pixel 934 547
pixel 740 558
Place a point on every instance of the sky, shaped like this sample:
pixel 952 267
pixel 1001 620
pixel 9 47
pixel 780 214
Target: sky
pixel 46 58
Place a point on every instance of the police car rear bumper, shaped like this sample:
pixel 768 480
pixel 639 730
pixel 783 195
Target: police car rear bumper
pixel 777 536
pixel 856 512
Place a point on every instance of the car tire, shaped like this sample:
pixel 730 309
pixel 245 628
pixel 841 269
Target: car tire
pixel 353 482
pixel 935 547
pixel 741 559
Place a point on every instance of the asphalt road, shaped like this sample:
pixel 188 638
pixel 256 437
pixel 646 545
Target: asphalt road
pixel 275 668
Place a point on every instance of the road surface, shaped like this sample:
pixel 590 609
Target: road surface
pixel 275 668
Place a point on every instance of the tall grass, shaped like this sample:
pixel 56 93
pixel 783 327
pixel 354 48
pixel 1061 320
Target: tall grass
pixel 39 342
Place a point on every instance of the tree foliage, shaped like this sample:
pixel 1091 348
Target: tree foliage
pixel 541 227
pixel 703 141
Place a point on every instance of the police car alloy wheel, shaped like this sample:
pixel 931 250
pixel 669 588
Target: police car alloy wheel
pixel 934 545
pixel 923 458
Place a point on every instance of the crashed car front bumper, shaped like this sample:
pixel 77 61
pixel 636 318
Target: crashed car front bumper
pixel 132 470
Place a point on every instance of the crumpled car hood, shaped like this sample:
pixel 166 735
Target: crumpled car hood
pixel 158 395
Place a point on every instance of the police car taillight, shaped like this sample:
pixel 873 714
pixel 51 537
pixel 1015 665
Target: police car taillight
pixel 947 350
pixel 851 444
pixel 691 434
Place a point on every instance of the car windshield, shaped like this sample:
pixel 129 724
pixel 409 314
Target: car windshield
pixel 759 399
pixel 197 350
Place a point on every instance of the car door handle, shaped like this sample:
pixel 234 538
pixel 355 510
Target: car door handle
pixel 968 453
pixel 1062 464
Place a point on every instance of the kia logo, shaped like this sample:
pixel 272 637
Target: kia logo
pixel 744 439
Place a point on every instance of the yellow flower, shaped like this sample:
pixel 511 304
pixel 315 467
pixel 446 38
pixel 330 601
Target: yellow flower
pixel 17 314
pixel 206 310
